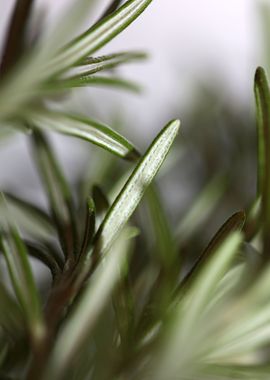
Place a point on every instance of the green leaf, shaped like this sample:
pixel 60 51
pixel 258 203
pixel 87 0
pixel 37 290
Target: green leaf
pixel 101 201
pixel 10 316
pixel 96 81
pixel 114 4
pixel 45 63
pixel 21 276
pixel 234 223
pixel 97 36
pixel 92 65
pixel 58 192
pixel 201 208
pixel 188 330
pixel 262 95
pixel 164 242
pixel 15 39
pixel 133 191
pixel 41 253
pixel 32 220
pixel 80 324
pixel 86 129
pixel 90 226
pixel 252 224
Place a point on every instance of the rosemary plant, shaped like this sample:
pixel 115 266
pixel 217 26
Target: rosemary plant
pixel 114 310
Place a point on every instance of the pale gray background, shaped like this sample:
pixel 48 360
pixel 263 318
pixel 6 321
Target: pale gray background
pixel 189 41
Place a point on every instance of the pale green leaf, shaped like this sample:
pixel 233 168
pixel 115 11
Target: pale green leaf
pixel 97 36
pixel 262 95
pixel 79 326
pixel 92 81
pixel 21 275
pixel 92 65
pixel 133 191
pixel 31 220
pixel 86 129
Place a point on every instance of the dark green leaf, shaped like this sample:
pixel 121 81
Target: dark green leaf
pixel 233 224
pixel 262 95
pixel 114 4
pixel 41 253
pixel 58 191
pixel 21 275
pixel 11 315
pixel 15 38
pixel 30 218
pixel 101 201
pixel 90 225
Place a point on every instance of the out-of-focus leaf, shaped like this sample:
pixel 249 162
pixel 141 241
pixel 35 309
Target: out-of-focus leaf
pixel 101 201
pixel 45 63
pixel 187 333
pixel 86 129
pixel 94 81
pixel 92 65
pixel 262 95
pixel 11 315
pixel 16 34
pixel 29 218
pixel 21 276
pixel 58 191
pixel 234 223
pixel 114 4
pixel 97 36
pixel 201 208
pixel 133 191
pixel 164 240
pixel 90 225
pixel 41 253
pixel 79 326
pixel 252 224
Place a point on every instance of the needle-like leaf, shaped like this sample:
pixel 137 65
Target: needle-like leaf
pixel 114 4
pixel 97 36
pixel 58 191
pixel 92 65
pixel 94 81
pixel 31 219
pixel 101 201
pixel 21 276
pixel 41 253
pixel 201 208
pixel 133 191
pixel 80 324
pixel 165 243
pixel 90 225
pixel 11 316
pixel 234 223
pixel 262 95
pixel 86 129
pixel 15 38
pixel 186 333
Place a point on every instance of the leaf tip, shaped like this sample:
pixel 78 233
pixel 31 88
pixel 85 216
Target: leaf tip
pixel 260 75
pixel 174 125
pixel 133 155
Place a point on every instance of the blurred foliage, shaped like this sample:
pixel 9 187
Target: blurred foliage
pixel 175 290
